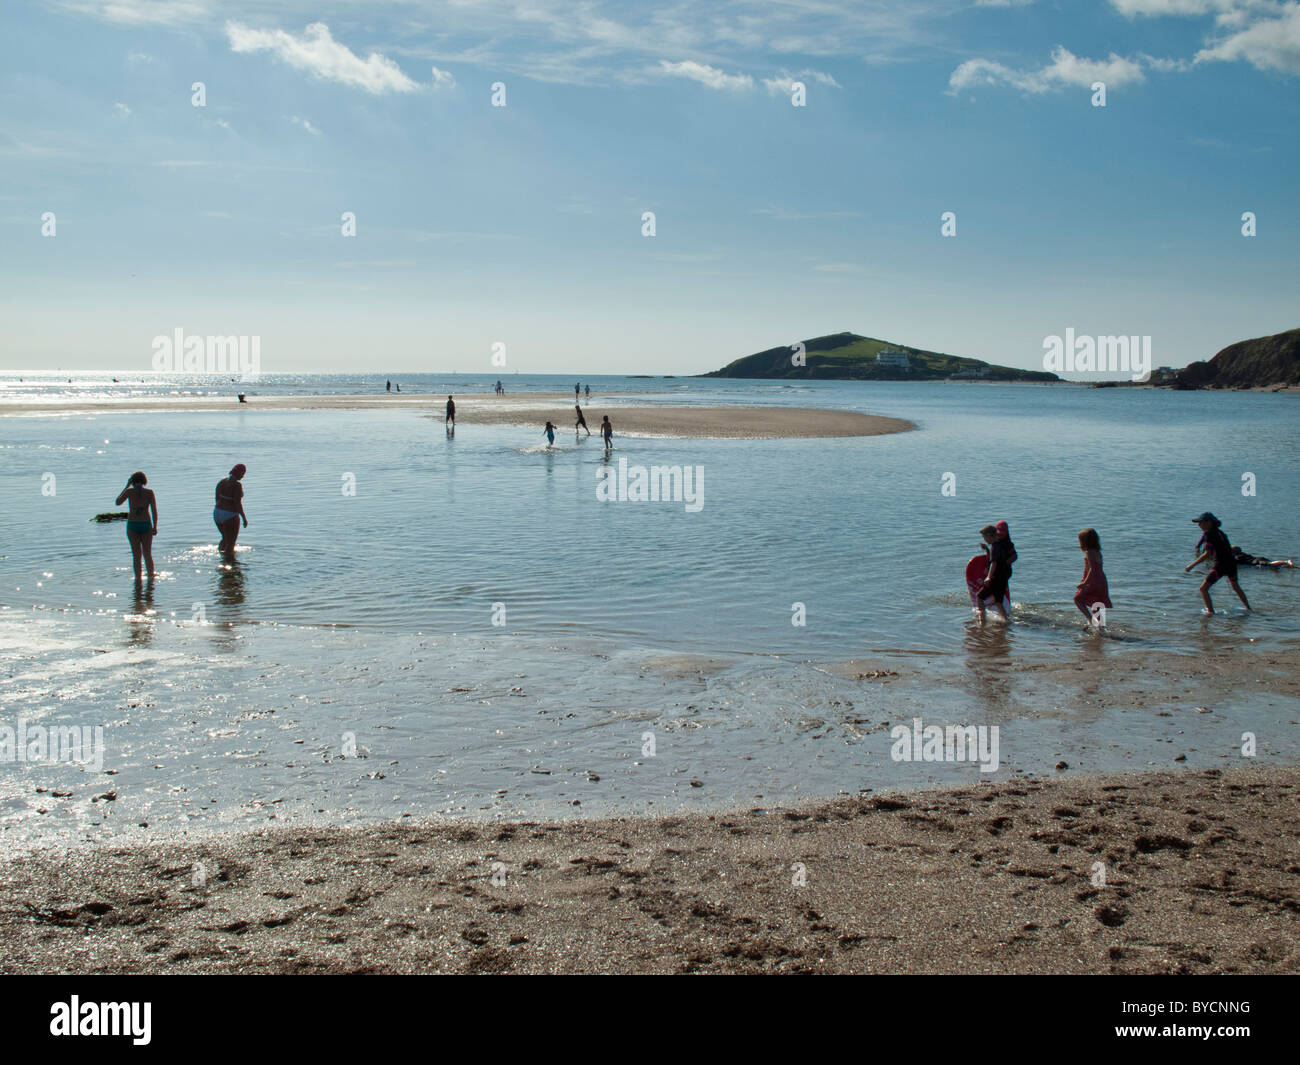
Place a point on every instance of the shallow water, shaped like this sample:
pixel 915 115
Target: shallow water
pixel 365 613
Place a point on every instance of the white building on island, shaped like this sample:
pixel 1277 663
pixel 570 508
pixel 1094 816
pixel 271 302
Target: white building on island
pixel 891 357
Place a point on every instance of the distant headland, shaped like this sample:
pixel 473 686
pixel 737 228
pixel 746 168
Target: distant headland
pixel 850 357
pixel 1265 362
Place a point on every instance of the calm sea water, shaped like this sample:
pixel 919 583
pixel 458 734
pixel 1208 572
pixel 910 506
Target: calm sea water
pixel 382 602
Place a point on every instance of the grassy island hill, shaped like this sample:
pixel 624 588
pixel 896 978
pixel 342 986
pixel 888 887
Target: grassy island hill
pixel 1259 363
pixel 850 357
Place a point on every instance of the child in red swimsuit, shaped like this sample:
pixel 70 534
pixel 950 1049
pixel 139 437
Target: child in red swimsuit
pixel 1093 590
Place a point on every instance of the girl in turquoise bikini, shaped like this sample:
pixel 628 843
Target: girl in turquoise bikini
pixel 230 508
pixel 141 528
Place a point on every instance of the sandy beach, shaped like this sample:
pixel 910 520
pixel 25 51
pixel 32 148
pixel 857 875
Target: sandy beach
pixel 525 409
pixel 1191 872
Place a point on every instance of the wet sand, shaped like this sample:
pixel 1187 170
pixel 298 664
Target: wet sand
pixel 532 409
pixel 1200 876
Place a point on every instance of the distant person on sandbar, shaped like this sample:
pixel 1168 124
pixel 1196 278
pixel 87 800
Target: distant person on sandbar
pixel 1242 559
pixel 450 420
pixel 390 386
pixel 577 389
pixel 1002 553
pixel 1217 547
pixel 550 434
pixel 581 422
pixel 607 431
pixel 399 388
pixel 588 387
pixel 230 508
pixel 140 527
pixel 500 387
pixel 1093 589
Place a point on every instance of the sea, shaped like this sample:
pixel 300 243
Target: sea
pixel 422 624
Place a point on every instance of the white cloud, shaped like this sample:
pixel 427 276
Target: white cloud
pixel 319 54
pixel 121 111
pixel 443 79
pixel 1068 69
pixel 1065 69
pixel 1263 33
pixel 302 123
pixel 1268 44
pixel 707 75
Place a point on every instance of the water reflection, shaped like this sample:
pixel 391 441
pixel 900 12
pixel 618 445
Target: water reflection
pixel 140 622
pixel 988 663
pixel 229 597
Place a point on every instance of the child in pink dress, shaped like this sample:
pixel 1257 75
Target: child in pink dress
pixel 1092 591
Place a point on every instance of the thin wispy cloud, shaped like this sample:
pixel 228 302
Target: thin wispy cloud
pixel 351 264
pixel 317 53
pixel 303 124
pixel 706 75
pixel 783 83
pixel 687 256
pixel 1177 7
pixel 443 79
pixel 141 12
pixel 783 214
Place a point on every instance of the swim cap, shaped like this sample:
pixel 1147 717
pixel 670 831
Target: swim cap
pixel 238 470
pixel 1002 528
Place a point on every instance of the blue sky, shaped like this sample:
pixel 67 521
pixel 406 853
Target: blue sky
pixel 523 224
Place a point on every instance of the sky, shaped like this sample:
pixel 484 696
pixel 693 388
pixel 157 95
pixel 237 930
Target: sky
pixel 523 225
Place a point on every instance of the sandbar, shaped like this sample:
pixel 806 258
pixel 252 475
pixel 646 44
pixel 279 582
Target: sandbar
pixel 523 409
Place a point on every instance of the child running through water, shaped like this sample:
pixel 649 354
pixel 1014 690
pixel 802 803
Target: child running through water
pixel 1092 591
pixel 607 431
pixel 550 435
pixel 1218 547
pixel 141 521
